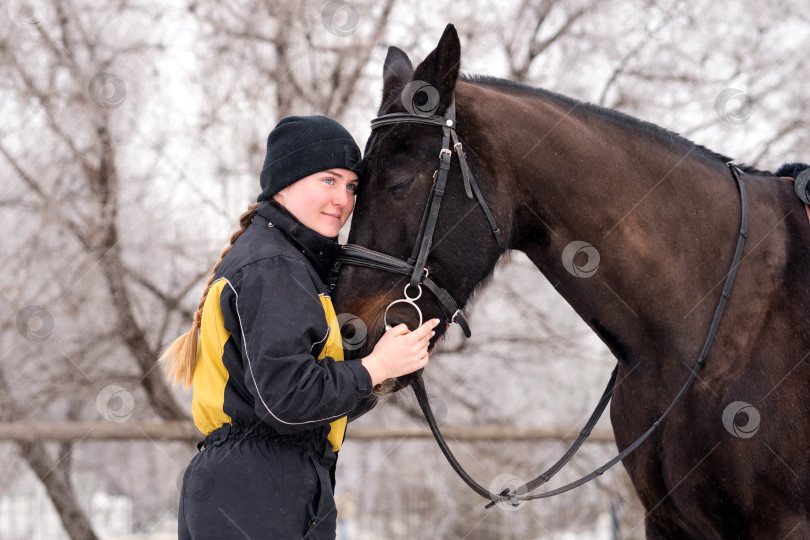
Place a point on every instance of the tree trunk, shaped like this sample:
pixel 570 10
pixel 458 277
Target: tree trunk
pixel 60 491
pixel 54 476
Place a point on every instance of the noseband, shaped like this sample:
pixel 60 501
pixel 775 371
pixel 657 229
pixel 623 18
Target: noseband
pixel 415 266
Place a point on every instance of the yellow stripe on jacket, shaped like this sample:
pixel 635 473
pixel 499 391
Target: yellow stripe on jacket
pixel 210 374
pixel 333 348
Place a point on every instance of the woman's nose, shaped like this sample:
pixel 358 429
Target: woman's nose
pixel 340 198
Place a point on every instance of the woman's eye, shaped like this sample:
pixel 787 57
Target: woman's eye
pixel 329 181
pixel 352 188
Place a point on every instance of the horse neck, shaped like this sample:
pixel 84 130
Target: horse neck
pixel 662 218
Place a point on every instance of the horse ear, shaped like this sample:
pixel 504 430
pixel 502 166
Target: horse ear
pixel 397 70
pixel 440 68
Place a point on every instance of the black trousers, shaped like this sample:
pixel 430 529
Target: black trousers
pixel 248 483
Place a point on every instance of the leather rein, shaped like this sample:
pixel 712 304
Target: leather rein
pixel 415 266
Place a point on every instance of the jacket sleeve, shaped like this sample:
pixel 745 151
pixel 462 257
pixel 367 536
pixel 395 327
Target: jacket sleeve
pixel 365 405
pixel 282 323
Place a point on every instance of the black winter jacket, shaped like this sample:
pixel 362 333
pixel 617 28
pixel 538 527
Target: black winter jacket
pixel 270 349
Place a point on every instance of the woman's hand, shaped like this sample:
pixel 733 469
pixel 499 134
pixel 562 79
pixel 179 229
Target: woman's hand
pixel 399 352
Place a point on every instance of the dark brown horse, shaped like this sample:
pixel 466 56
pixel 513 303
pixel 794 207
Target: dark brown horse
pixel 662 215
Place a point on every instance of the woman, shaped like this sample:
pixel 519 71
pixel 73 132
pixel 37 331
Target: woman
pixel 264 354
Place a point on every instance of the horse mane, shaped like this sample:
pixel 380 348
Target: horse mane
pixel 664 135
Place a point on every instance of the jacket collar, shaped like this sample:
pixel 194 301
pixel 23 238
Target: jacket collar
pixel 320 250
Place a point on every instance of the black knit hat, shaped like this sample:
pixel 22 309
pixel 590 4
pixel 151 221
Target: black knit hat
pixel 302 145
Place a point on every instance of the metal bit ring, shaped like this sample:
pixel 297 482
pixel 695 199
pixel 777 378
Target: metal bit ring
pixel 407 300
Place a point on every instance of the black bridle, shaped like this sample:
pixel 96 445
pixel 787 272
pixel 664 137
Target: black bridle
pixel 415 266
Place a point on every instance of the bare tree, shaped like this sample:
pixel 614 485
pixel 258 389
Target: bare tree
pixel 74 292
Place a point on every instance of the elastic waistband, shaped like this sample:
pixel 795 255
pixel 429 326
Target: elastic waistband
pixel 312 439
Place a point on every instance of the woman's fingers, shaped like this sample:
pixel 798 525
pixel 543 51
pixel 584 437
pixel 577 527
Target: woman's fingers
pixel 400 351
pixel 430 325
pixel 426 330
pixel 401 329
pixel 426 333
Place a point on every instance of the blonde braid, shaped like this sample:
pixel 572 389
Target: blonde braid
pixel 180 358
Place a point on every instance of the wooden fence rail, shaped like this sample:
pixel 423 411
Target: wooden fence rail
pixel 186 431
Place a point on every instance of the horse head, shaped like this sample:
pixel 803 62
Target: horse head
pixel 400 169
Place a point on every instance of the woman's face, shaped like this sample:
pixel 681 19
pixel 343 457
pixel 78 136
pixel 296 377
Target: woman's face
pixel 322 201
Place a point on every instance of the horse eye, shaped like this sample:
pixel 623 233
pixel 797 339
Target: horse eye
pixel 401 186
